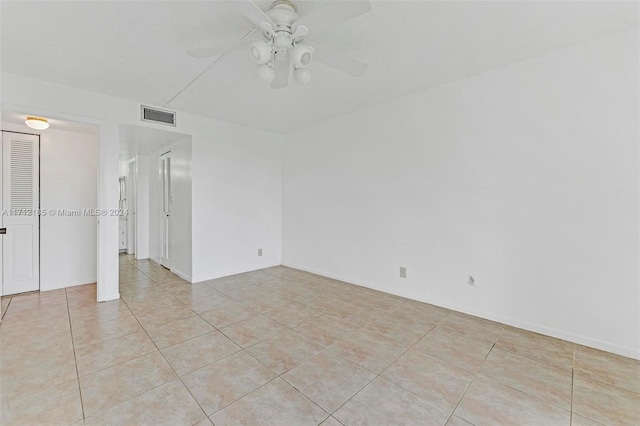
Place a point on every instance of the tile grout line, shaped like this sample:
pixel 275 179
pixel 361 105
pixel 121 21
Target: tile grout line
pixel 475 374
pixel 114 365
pixel 227 356
pixel 571 399
pixel 9 304
pixel 75 358
pixel 138 357
pixel 380 374
pixel 531 360
pixel 108 340
pixel 165 359
pixel 573 365
pixel 298 390
pixel 537 361
pixel 278 376
pixel 525 392
pixel 302 393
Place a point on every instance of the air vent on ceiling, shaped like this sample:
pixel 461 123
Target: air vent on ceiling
pixel 156 115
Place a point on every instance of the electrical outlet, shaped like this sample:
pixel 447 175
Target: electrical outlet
pixel 403 272
pixel 259 252
pixel 471 281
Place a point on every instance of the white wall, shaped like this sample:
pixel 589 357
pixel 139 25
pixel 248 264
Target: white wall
pixel 236 201
pixel 155 207
pixel 525 177
pixel 181 209
pixel 236 173
pixel 68 180
pixel 142 207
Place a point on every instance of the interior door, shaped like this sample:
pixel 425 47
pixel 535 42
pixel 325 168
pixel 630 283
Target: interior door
pixel 165 175
pixel 20 221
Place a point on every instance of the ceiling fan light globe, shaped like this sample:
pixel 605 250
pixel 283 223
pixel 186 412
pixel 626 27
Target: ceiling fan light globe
pixel 302 56
pixel 302 75
pixel 266 73
pixel 260 52
pixel 305 59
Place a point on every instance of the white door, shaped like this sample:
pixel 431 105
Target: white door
pixel 20 221
pixel 165 176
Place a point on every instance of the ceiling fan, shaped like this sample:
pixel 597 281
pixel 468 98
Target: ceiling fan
pixel 282 45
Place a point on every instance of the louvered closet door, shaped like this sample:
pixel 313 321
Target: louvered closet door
pixel 20 186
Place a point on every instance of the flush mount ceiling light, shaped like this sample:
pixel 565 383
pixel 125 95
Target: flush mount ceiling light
pixel 37 123
pixel 282 48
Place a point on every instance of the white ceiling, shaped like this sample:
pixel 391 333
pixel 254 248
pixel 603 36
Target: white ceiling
pixel 137 50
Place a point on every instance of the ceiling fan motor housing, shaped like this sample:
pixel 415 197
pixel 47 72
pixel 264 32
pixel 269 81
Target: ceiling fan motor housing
pixel 284 14
pixel 282 40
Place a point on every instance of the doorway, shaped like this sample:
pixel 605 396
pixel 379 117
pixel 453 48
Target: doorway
pixel 160 185
pixel 20 202
pixel 64 204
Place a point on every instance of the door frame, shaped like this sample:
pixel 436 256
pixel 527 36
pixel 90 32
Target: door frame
pixel 132 194
pixel 107 287
pixel 165 218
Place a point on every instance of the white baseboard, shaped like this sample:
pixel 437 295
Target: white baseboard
pixel 239 272
pixel 536 328
pixel 174 270
pixel 114 296
pixel 181 275
pixel 58 286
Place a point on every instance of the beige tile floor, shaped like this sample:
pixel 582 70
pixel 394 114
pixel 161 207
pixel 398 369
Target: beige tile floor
pixel 284 347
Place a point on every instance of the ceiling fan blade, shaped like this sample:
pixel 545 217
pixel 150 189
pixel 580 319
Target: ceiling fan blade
pixel 332 13
pixel 282 74
pixel 338 61
pixel 207 52
pixel 253 12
